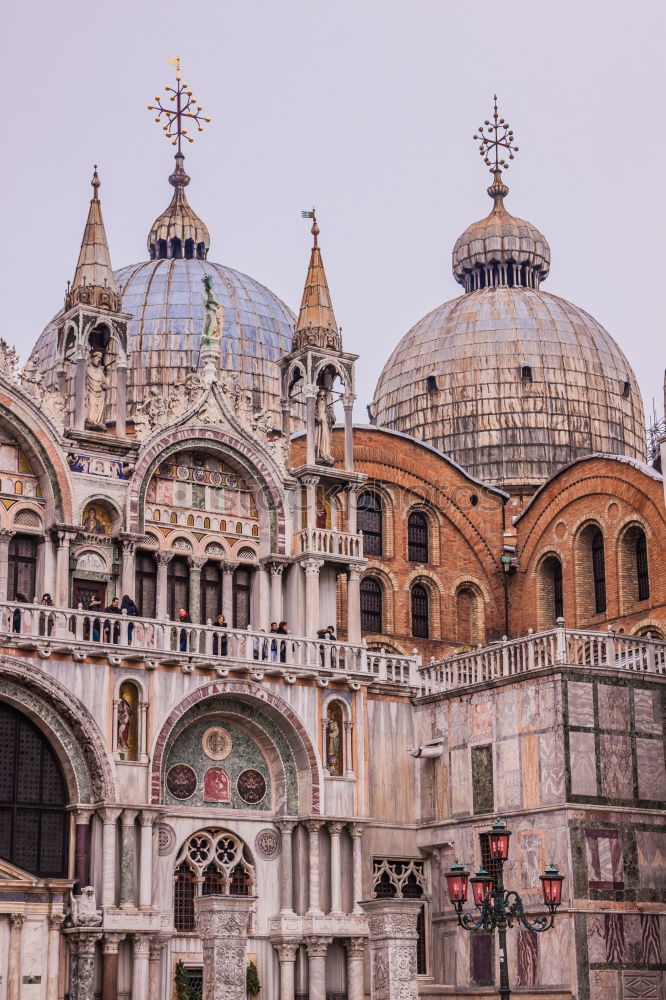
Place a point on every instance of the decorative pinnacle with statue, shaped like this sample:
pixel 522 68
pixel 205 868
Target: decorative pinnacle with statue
pixel 213 316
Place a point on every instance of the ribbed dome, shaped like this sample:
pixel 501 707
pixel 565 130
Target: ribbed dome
pixel 500 249
pixel 164 297
pixel 178 231
pixel 512 383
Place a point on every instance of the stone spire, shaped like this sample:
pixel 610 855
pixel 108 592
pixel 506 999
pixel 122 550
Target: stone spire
pixel 178 231
pixel 316 324
pixel 93 279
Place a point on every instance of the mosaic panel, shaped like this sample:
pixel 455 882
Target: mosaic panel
pixel 268 844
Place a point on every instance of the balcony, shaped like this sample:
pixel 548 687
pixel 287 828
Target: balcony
pixel 516 657
pixel 80 634
pixel 330 544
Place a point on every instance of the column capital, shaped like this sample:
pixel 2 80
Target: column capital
pixel 355 947
pixel 141 944
pixel 164 558
pixel 285 825
pixel 82 814
pixel 56 920
pixel 356 829
pixel 110 943
pixel 335 828
pixel 355 571
pixel 310 480
pixel 86 941
pixel 128 817
pixel 317 946
pixel 17 920
pixel 148 818
pixel 312 566
pixel 109 814
pixel 229 566
pixel 275 568
pixel 6 535
pixel 128 546
pixel 313 825
pixel 287 950
pixel 198 562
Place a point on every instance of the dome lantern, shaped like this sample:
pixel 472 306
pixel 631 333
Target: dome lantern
pixel 500 250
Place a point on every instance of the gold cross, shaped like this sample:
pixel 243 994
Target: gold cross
pixel 186 109
pixel 498 136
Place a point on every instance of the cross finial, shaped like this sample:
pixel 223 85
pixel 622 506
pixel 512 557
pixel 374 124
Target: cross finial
pixel 494 136
pixel 186 110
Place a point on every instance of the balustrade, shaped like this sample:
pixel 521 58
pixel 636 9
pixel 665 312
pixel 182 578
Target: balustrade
pixel 332 543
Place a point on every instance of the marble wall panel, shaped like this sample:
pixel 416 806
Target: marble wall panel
pixel 596 939
pixel 460 782
pixel 605 864
pixel 651 849
pixel 482 778
pixel 531 850
pixel 527 950
pixel 641 985
pixel 555 953
pixel 613 707
pixel 604 984
pixel 529 761
pixel 506 709
pixel 482 719
pixel 616 773
pixel 647 711
pixel 651 770
pixel 508 790
pixel 528 712
pixel 392 773
pixel 581 704
pixel 551 768
pixel 614 931
pixel 548 704
pixel 582 763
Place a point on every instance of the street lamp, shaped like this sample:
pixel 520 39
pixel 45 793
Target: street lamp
pixel 499 907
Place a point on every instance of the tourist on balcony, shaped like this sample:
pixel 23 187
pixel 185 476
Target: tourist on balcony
pixel 112 609
pixel 327 633
pixel 16 617
pixel 46 622
pixel 283 630
pixel 184 619
pixel 94 605
pixel 47 601
pixel 220 638
pixel 274 643
pixel 128 605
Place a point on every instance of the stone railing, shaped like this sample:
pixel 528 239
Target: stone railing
pixel 331 543
pixel 34 627
pixel 560 645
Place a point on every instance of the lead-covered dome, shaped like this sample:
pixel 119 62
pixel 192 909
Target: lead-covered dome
pixel 510 381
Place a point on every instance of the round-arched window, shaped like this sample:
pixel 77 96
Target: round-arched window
pixel 371 605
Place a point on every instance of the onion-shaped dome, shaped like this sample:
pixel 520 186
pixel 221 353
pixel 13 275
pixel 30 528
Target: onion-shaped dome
pixel 178 231
pixel 500 249
pixel 510 381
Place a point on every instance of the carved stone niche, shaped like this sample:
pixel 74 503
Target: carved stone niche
pixel 222 923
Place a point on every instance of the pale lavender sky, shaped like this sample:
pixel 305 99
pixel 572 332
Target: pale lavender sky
pixel 365 108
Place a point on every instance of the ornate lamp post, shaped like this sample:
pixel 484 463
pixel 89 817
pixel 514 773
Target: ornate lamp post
pixel 499 907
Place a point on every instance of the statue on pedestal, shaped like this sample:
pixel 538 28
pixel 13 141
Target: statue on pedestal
pixel 83 909
pixel 96 387
pixel 324 423
pixel 213 316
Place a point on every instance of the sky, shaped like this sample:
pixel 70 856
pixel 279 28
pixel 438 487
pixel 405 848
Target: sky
pixel 365 109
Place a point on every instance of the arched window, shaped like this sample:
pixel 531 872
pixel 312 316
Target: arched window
pixel 417 537
pixel 469 617
pixel 369 520
pixel 22 567
pixel 598 572
pixel 371 605
pixel 146 584
pixel 211 591
pixel 642 573
pixel 420 611
pixel 178 586
pixel 552 593
pixel 209 862
pixel 34 822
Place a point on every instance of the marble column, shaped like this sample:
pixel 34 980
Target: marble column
pixel 310 483
pixel 228 569
pixel 56 921
pixel 61 595
pixel 355 948
pixel 348 406
pixel 121 401
pixel 317 949
pixel 222 923
pixel 85 946
pixel 80 391
pixel 82 848
pixel 128 570
pixel 110 966
pixel 286 828
pixel 197 563
pixel 155 969
pixel 335 829
pixel 5 539
pixel 127 845
pixel 349 756
pixel 109 817
pixel 313 826
pixel 140 958
pixel 276 570
pixel 287 951
pixel 310 393
pixel 393 937
pixel 352 511
pixel 356 831
pixel 354 604
pixel 311 568
pixel 147 820
pixel 16 921
pixel 163 560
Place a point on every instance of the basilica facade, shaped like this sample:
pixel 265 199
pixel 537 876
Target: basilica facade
pixel 266 674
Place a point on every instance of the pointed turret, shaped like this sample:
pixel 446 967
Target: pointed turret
pixel 316 324
pixel 93 279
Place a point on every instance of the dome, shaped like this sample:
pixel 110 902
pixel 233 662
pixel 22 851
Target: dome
pixel 500 249
pixel 512 383
pixel 164 299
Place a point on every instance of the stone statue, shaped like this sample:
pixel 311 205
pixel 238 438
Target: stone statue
pixel 214 315
pixel 84 910
pixel 31 378
pixel 8 359
pixel 324 422
pixel 96 386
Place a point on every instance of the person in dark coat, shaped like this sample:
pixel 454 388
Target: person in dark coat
pixel 128 605
pixel 112 609
pixel 184 618
pixel 220 638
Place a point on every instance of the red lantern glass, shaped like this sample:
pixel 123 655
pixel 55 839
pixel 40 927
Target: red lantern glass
pixel 456 879
pixel 551 883
pixel 481 884
pixel 498 841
